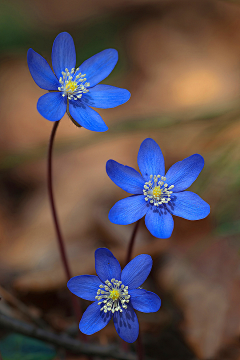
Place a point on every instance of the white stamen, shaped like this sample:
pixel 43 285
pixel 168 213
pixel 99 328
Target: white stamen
pixel 73 85
pixel 115 296
pixel 157 191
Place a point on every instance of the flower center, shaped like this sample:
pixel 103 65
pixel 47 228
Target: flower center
pixel 73 84
pixel 113 296
pixel 157 191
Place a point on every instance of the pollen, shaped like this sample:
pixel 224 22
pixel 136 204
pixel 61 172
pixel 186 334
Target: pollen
pixel 73 84
pixel 114 294
pixel 157 191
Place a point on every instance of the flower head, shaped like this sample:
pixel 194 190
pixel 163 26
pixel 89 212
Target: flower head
pixel 156 195
pixel 115 294
pixel 75 89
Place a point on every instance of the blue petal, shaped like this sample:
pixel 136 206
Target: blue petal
pixel 106 96
pixel 106 265
pixel 144 301
pixel 63 53
pixel 84 286
pixel 52 106
pixel 86 117
pixel 184 173
pixel 93 319
pixel 136 271
pixel 188 205
pixel 129 210
pixel 41 72
pixel 126 324
pixel 159 222
pixel 99 66
pixel 150 159
pixel 125 177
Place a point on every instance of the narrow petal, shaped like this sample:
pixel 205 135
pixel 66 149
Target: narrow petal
pixel 106 96
pixel 136 271
pixel 86 117
pixel 159 222
pixel 106 265
pixel 52 106
pixel 184 173
pixel 150 159
pixel 188 205
pixel 93 319
pixel 144 301
pixel 84 286
pixel 129 210
pixel 63 53
pixel 99 66
pixel 41 72
pixel 125 177
pixel 126 324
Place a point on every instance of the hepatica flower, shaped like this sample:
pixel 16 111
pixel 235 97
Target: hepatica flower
pixel 115 294
pixel 74 89
pixel 156 194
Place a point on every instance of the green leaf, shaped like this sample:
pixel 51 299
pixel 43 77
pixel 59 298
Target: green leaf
pixel 20 347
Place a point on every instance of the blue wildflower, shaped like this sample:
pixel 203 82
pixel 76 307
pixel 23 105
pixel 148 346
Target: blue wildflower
pixel 156 195
pixel 115 294
pixel 75 90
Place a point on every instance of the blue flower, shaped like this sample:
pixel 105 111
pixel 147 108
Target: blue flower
pixel 156 195
pixel 75 90
pixel 115 294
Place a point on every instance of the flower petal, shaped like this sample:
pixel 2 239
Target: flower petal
pixel 52 106
pixel 41 72
pixel 106 96
pixel 126 324
pixel 86 117
pixel 99 66
pixel 84 286
pixel 150 159
pixel 136 271
pixel 128 210
pixel 144 301
pixel 159 222
pixel 63 53
pixel 184 173
pixel 188 205
pixel 106 265
pixel 93 319
pixel 125 177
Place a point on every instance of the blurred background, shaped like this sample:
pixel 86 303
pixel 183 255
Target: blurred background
pixel 180 60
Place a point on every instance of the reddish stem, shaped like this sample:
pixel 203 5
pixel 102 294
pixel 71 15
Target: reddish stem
pixel 128 258
pixel 75 303
pixel 131 243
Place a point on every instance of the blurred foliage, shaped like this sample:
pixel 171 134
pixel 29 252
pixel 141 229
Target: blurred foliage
pixel 20 347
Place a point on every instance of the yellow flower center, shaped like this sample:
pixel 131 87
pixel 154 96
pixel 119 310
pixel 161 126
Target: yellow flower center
pixel 71 86
pixel 114 294
pixel 157 191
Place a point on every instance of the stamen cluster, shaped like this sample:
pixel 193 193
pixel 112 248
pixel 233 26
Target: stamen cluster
pixel 157 191
pixel 72 85
pixel 114 295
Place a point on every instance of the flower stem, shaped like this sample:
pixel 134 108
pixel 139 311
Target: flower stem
pixel 131 243
pixel 75 303
pixel 128 258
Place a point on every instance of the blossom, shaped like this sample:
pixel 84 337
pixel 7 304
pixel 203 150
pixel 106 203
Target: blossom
pixel 75 89
pixel 156 195
pixel 115 294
